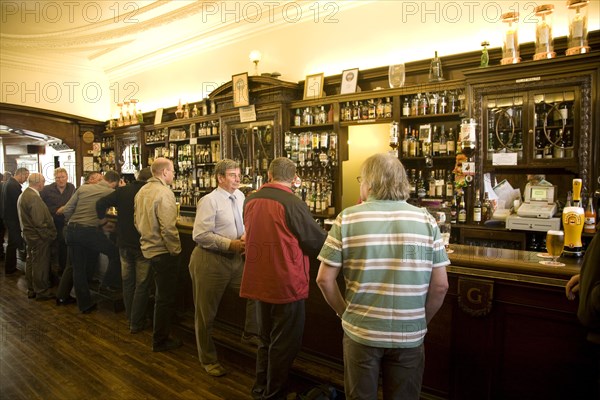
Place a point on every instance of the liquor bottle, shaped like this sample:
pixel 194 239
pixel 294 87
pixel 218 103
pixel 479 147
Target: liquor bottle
pixel 432 184
pixel 348 112
pixel 435 141
pixel 486 208
pixel 406 107
pixel 371 109
pixel 539 143
pixel 462 211
pixel 449 184
pixel 421 191
pixel 590 218
pixel 435 69
pixel 413 184
pixel 443 103
pixel 322 115
pixel 412 146
pixel 439 184
pixel 477 208
pixel 308 117
pixel 364 110
pixel 454 211
pixel 414 105
pixel 394 137
pixel 559 148
pixel 451 143
pixel 195 111
pixel 356 110
pixel 423 105
pixel 380 109
pixel 443 143
pixel 387 108
pixel 297 118
pixel 405 141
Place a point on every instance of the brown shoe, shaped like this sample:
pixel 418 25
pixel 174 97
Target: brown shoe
pixel 215 369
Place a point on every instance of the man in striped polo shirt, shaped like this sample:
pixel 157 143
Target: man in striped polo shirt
pixel 394 264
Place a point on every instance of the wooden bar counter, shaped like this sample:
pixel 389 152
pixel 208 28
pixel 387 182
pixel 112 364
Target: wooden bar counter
pixel 506 329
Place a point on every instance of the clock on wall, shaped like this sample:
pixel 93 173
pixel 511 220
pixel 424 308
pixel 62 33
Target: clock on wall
pixel 88 137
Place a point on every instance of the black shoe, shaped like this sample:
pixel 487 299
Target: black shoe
pixel 30 294
pixel 147 324
pixel 64 302
pixel 107 289
pixel 167 345
pixel 91 309
pixel 44 297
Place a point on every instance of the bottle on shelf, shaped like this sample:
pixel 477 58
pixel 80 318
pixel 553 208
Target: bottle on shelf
pixel 451 143
pixel 486 208
pixel 454 210
pixel 477 208
pixel 590 217
pixel 435 69
pixel 462 211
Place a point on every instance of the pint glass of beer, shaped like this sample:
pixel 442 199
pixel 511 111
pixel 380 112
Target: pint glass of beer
pixel 555 241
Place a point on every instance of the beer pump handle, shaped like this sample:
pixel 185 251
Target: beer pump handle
pixel 577 191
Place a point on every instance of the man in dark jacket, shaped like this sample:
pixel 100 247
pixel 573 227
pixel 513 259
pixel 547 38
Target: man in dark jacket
pixel 135 269
pixel 587 284
pixel 11 190
pixel 281 239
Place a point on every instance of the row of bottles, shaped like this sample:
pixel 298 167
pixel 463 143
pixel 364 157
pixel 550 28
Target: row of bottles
pixel 205 107
pixel 371 109
pixel 313 116
pixel 107 143
pixel 317 193
pixel 439 143
pixel 445 102
pixel 553 143
pixel 557 114
pixel 311 148
pixel 438 184
pixel 157 136
pixel 127 115
pixel 481 210
pixel 208 128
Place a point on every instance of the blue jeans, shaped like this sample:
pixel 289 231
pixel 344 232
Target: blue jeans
pixel 85 239
pixel 402 371
pixel 165 270
pixel 135 272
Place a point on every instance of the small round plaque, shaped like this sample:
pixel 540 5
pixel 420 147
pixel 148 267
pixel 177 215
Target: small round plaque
pixel 88 137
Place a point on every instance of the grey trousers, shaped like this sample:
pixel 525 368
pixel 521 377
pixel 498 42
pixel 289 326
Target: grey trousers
pixel 402 371
pixel 212 273
pixel 37 266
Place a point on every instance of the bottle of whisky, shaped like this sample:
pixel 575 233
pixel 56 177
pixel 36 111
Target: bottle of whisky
pixel 451 143
pixel 462 211
pixel 454 211
pixel 477 208
pixel 486 208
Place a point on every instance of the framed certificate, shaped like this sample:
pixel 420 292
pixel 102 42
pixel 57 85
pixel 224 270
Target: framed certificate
pixel 349 80
pixel 313 86
pixel 241 94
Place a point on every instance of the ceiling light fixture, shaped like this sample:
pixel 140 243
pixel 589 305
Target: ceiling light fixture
pixel 255 57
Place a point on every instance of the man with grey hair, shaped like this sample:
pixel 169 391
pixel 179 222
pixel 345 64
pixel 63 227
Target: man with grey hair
pixel 39 233
pixel 393 259
pixel 11 191
pixel 216 263
pixel 282 238
pixel 155 218
pixel 84 235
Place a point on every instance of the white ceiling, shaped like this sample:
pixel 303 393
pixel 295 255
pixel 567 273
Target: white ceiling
pixel 172 48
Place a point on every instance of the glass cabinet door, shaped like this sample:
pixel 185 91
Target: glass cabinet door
pixel 553 124
pixel 504 131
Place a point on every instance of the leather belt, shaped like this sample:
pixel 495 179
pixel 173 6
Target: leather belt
pixel 219 253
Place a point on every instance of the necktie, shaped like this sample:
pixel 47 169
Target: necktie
pixel 236 215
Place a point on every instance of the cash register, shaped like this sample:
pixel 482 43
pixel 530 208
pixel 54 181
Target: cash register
pixel 537 211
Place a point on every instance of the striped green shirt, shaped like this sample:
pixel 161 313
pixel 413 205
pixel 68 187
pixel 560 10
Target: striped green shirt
pixel 387 250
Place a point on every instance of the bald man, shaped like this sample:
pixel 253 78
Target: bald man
pixel 39 232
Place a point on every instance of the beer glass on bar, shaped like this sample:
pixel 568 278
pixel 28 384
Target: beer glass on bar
pixel 555 241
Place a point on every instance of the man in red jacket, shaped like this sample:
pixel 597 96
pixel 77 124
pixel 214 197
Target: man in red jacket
pixel 281 239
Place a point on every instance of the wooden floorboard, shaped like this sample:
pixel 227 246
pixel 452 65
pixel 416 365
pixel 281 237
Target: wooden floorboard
pixel 50 352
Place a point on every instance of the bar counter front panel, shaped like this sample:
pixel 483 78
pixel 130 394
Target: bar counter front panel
pixel 505 331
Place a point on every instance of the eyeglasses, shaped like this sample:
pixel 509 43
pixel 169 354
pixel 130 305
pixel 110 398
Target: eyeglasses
pixel 359 179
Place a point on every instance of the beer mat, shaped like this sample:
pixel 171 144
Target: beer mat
pixel 544 255
pixel 552 263
pixel 449 251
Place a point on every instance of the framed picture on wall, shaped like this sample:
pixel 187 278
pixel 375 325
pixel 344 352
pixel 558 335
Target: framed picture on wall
pixel 313 86
pixel 241 94
pixel 349 81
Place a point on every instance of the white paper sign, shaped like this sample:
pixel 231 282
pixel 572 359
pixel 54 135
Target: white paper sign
pixel 248 114
pixel 504 159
